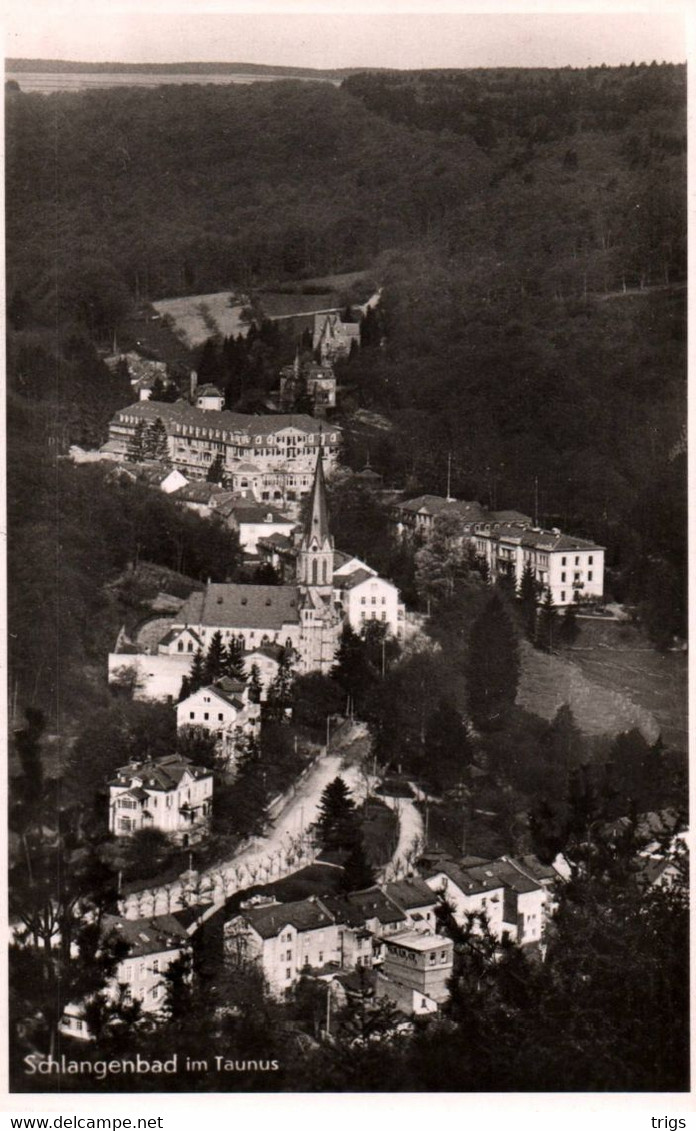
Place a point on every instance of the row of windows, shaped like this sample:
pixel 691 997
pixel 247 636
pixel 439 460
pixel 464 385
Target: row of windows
pixel 373 600
pixel 373 615
pixel 577 575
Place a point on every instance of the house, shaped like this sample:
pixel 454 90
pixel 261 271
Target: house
pixel 266 659
pixel 323 935
pixel 150 473
pixel 416 970
pixel 209 398
pixel 169 794
pixel 223 709
pixel 507 541
pixel 315 382
pixel 154 944
pixel 415 518
pixel 274 456
pixel 417 900
pixel 284 939
pixel 524 901
pixel 253 521
pixel 469 894
pixel 332 337
pixel 571 568
pixel 364 597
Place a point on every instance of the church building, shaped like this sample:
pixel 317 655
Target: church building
pixel 302 616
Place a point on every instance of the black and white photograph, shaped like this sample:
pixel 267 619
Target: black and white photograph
pixel 346 674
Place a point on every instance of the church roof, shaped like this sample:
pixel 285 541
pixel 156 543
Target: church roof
pixel 317 525
pixel 226 605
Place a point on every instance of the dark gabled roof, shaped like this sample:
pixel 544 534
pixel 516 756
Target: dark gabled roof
pixel 276 541
pixel 273 651
pixel 197 492
pixel 208 391
pixel 147 936
pixel 303 915
pixel 164 773
pixel 469 881
pixel 540 539
pixel 511 516
pixel 532 866
pixel 507 874
pixel 372 903
pixel 410 893
pixel 435 505
pixel 228 605
pixel 180 413
pixel 176 632
pixel 229 685
pixel 350 580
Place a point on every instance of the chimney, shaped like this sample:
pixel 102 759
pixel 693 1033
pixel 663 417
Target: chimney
pixel 194 383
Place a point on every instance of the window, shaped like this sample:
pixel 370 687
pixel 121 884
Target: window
pixel 192 714
pixel 384 615
pixel 288 956
pixel 576 575
pixel 562 595
pixel 563 576
pixel 362 600
pixel 563 561
pixel 589 575
pixel 155 966
pixel 321 957
pixel 206 716
pixel 190 647
pixel 589 560
pixel 374 600
pixel 577 561
pixel 155 992
pixel 180 646
pixel 288 974
pixel 78 1025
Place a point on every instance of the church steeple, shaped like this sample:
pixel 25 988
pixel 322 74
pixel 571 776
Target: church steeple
pixel 315 559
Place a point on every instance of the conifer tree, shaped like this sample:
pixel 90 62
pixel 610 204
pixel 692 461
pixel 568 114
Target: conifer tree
pixel 337 823
pixel 548 623
pixel 185 689
pixel 232 663
pixel 138 444
pixel 255 684
pixel 357 872
pixel 569 629
pixel 493 666
pixel 280 689
pixel 527 596
pixel 197 674
pixel 213 666
pixel 216 471
pixel 156 442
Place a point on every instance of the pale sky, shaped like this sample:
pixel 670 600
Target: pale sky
pixel 330 33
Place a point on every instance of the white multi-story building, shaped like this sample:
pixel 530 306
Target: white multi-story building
pixel 154 944
pixel 280 449
pixel 364 597
pixel 516 896
pixel 224 710
pixel 169 794
pixel 571 568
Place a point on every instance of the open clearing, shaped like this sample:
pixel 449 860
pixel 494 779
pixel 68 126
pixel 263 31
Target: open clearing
pixel 613 680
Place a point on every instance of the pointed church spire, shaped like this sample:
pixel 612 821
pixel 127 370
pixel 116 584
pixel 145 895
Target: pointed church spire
pixel 318 521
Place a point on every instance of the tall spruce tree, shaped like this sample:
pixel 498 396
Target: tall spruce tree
pixel 216 471
pixel 255 684
pixel 528 599
pixel 569 629
pixel 547 633
pixel 156 442
pixel 232 663
pixel 138 446
pixel 280 689
pixel 493 666
pixel 214 660
pixel 196 675
pixel 337 824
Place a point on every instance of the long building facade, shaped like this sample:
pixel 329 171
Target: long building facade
pixel 273 456
pixel 571 568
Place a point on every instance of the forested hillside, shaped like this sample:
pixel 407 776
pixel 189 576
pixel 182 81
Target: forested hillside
pixel 528 228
